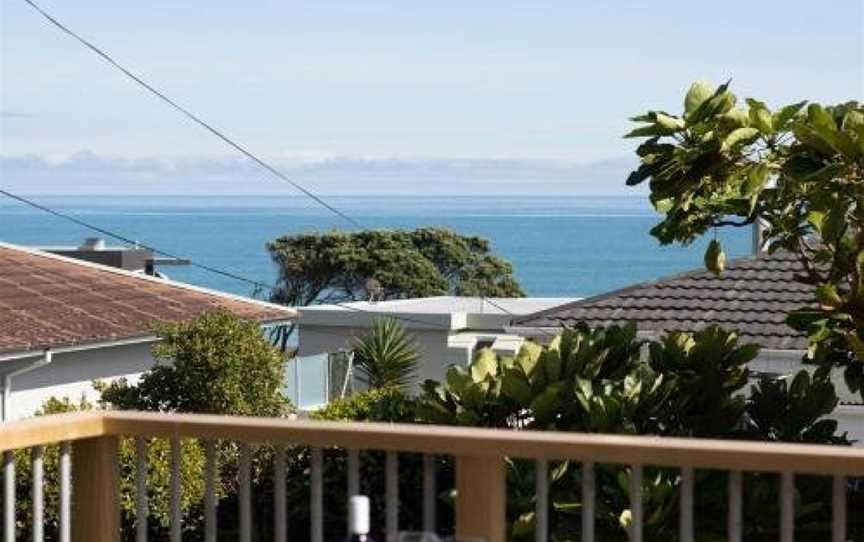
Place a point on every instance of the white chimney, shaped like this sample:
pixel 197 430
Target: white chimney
pixel 758 236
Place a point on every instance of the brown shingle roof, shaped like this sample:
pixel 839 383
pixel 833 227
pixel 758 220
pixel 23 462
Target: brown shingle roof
pixel 753 296
pixel 51 301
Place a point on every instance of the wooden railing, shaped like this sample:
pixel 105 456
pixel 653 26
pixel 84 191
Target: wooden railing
pixel 89 478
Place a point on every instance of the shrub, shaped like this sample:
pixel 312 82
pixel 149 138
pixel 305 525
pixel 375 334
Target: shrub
pixel 217 363
pixel 386 356
pixel 599 381
pixel 158 481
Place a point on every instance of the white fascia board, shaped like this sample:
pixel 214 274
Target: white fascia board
pixel 343 317
pixel 78 348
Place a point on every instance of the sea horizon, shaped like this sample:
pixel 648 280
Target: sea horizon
pixel 560 246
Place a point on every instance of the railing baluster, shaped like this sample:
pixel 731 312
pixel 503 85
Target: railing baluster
pixel 429 493
pixel 141 505
pixel 38 453
pixel 9 496
pixel 353 473
pixel 588 493
pixel 787 504
pixel 636 503
pixel 686 512
pixel 245 496
pixel 210 468
pixel 176 489
pixel 280 525
pixel 316 496
pixel 838 509
pixel 65 514
pixel 733 529
pixel 541 506
pixel 353 477
pixel 391 479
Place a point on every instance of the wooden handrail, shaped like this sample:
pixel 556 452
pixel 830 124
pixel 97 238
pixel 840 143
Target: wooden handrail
pixel 459 441
pixel 45 430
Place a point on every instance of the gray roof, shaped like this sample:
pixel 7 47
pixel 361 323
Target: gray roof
pixel 753 295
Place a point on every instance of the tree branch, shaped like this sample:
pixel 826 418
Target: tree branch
pixel 804 258
pixel 737 224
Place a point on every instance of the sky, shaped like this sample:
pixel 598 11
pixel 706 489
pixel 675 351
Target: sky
pixel 401 92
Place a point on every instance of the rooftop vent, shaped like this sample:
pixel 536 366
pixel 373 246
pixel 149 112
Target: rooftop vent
pixel 93 243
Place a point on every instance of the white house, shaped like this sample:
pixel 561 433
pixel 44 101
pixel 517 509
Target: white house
pixel 65 323
pixel 447 329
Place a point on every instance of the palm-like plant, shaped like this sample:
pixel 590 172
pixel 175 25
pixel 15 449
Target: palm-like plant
pixel 387 355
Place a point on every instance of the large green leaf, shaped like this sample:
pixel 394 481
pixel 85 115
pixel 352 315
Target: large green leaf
pixel 760 116
pixel 782 117
pixel 699 92
pixel 528 355
pixel 545 405
pixel 551 361
pixel 756 179
pixel 669 123
pixel 515 385
pixel 485 364
pixel 739 136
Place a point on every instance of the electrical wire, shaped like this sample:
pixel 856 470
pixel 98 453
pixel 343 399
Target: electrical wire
pixel 128 241
pixel 125 239
pixel 540 329
pixel 219 134
pixel 194 118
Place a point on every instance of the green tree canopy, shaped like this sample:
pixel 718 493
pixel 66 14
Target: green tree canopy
pixel 217 363
pixel 336 266
pixel 799 169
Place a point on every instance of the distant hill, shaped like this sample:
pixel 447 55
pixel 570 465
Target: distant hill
pixel 87 173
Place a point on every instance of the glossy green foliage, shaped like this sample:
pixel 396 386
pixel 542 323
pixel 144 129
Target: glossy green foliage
pixel 799 169
pixel 387 404
pixel 610 381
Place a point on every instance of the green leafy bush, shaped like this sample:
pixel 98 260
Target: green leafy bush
pixel 608 380
pixel 158 481
pixel 217 363
pixel 388 404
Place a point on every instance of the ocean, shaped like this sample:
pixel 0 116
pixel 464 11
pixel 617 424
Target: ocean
pixel 559 246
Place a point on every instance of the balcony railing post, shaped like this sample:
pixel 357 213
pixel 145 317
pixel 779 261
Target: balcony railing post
pixel 96 490
pixel 481 498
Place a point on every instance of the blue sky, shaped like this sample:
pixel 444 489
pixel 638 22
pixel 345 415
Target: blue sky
pixel 310 81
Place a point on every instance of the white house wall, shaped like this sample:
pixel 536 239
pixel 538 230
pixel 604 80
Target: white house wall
pixel 71 375
pixel 436 356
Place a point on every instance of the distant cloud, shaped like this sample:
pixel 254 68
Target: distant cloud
pixel 14 115
pixel 88 173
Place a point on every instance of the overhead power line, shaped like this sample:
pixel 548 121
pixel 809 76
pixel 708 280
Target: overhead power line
pixel 257 284
pixel 125 239
pixel 219 134
pixel 193 117
pixel 129 241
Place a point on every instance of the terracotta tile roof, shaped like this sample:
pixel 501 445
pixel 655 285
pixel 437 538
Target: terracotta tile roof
pixel 52 301
pixel 753 295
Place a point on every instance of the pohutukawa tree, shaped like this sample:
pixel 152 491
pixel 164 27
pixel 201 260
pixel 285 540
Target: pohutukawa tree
pixel 335 267
pixel 799 169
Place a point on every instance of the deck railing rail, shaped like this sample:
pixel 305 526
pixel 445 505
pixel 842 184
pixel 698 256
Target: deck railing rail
pixel 89 498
